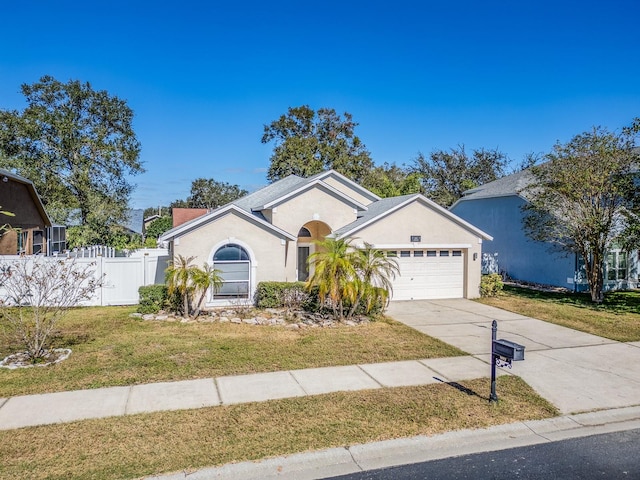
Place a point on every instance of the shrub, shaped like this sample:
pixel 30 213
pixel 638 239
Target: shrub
pixel 37 293
pixel 153 298
pixel 280 294
pixel 491 285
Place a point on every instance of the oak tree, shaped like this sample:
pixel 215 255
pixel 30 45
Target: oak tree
pixel 583 198
pixel 78 147
pixel 445 175
pixel 209 193
pixel 307 142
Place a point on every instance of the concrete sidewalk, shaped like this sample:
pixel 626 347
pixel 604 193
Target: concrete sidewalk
pixel 43 409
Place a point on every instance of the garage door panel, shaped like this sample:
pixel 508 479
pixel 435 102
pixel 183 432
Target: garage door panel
pixel 429 278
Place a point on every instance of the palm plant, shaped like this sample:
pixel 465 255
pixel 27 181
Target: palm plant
pixel 375 272
pixel 334 274
pixel 179 277
pixel 203 279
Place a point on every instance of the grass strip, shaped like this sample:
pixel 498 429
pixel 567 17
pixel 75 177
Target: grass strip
pixel 617 318
pixel 140 445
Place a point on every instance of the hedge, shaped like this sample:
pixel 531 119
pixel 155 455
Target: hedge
pixel 280 294
pixel 152 298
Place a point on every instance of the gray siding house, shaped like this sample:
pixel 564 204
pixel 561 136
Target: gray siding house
pixel 496 208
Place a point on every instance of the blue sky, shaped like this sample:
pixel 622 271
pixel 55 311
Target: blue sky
pixel 204 77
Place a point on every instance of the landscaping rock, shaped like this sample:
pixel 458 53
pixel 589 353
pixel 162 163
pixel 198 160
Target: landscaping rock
pixel 162 317
pixel 236 320
pixel 149 316
pixel 135 315
pixel 22 360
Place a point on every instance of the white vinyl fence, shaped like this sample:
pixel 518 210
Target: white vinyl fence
pixel 121 276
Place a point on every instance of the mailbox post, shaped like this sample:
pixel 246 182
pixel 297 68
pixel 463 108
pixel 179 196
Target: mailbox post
pixel 500 349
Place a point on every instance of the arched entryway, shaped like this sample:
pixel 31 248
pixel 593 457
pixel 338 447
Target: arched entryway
pixel 309 233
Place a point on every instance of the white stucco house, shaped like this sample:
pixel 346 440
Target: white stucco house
pixel 269 234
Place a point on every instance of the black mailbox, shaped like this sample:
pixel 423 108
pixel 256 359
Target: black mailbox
pixel 509 350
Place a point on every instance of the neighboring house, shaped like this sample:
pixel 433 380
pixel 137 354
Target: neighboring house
pixel 28 232
pixel 149 220
pixel 183 215
pixel 134 223
pixel 496 207
pixel 268 235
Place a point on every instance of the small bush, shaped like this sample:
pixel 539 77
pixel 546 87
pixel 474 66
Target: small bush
pixel 280 294
pixel 491 285
pixel 153 298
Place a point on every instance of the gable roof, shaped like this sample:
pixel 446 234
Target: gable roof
pixel 270 196
pixel 347 182
pixel 271 192
pixel 217 213
pixel 509 185
pixel 32 192
pixel 308 185
pixel 386 206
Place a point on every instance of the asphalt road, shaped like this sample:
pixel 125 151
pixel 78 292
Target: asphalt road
pixel 607 456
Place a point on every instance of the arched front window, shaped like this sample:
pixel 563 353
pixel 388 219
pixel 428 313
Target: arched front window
pixel 235 266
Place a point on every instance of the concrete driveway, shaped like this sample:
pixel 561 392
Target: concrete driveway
pixel 575 371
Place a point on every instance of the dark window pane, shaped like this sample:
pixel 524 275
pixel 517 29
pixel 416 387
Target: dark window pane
pixel 304 233
pixel 231 252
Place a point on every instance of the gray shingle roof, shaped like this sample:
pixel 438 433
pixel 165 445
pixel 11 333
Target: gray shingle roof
pixel 135 220
pixel 270 192
pixel 510 185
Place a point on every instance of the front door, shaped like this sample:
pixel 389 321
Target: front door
pixel 303 265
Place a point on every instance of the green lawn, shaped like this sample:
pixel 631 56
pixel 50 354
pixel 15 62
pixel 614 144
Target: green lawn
pixel 110 348
pixel 617 318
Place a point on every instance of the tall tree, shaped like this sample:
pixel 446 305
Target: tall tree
pixel 209 193
pixel 445 175
pixel 78 147
pixel 389 180
pixel 307 142
pixel 578 198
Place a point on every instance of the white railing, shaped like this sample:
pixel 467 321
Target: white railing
pixel 89 252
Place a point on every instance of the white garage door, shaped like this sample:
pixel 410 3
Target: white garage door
pixel 429 274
